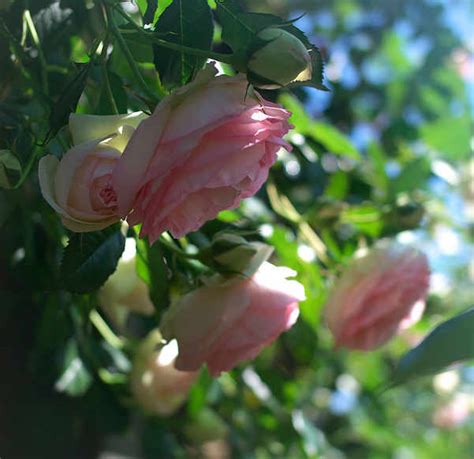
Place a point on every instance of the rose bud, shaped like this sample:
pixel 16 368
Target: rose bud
pixel 282 60
pixel 206 147
pixel 377 295
pixel 124 291
pixel 230 320
pixel 156 384
pixel 230 253
pixel 79 186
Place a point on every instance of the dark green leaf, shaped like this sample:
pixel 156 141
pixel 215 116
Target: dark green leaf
pixel 152 269
pixel 450 342
pixel 10 169
pixel 75 379
pixel 67 101
pixel 188 23
pixel 90 258
pixel 413 174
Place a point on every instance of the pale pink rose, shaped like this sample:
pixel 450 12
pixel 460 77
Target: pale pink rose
pixel 204 149
pixel 79 186
pixel 454 413
pixel 155 383
pixel 227 321
pixel 377 295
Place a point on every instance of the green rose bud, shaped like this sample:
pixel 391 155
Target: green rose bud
pixel 282 60
pixel 232 254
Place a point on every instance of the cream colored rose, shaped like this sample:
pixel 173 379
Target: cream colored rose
pixel 79 187
pixel 124 291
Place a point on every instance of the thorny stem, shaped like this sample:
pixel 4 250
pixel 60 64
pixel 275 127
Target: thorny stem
pixel 226 58
pixel 128 55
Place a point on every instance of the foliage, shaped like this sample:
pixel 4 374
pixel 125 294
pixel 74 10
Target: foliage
pixel 384 153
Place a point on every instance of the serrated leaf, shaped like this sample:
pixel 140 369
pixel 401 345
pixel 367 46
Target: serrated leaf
pixel 10 169
pixel 68 100
pixel 75 379
pixel 90 258
pixel 188 23
pixel 448 343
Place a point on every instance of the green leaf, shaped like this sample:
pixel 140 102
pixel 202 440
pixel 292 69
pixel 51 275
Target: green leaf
pixel 152 269
pixel 413 175
pixel 75 379
pixel 334 140
pixel 450 342
pixel 90 258
pixel 68 100
pixel 331 138
pixel 450 136
pixel 10 169
pixel 188 23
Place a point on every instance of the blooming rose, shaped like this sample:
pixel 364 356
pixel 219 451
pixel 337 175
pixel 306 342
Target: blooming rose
pixel 79 187
pixel 205 147
pixel 377 295
pixel 227 321
pixel 155 382
pixel 124 291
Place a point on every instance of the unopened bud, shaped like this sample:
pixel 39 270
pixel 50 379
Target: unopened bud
pixel 281 61
pixel 232 254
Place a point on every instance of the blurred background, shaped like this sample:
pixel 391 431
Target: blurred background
pixel 387 152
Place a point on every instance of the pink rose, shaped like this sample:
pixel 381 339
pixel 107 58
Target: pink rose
pixel 79 186
pixel 227 321
pixel 377 295
pixel 156 384
pixel 204 149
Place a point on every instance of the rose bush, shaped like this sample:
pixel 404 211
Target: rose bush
pixel 229 320
pixel 377 295
pixel 79 186
pixel 206 147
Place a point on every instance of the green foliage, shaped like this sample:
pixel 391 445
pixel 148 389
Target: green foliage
pixel 75 380
pixel 188 23
pixel 451 342
pixel 90 258
pixel 152 269
pixel 10 169
pixel 362 168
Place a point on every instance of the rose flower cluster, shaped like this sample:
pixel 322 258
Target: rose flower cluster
pixel 205 148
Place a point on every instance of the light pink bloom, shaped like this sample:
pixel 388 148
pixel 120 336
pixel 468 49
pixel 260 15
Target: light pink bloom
pixel 227 321
pixel 454 413
pixel 377 295
pixel 156 384
pixel 205 148
pixel 79 186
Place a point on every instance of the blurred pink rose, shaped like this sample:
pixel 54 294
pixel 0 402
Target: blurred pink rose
pixel 454 413
pixel 204 149
pixel 155 383
pixel 377 295
pixel 227 321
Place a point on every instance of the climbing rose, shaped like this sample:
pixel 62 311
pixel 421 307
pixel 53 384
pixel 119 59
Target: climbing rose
pixel 377 295
pixel 206 147
pixel 79 186
pixel 230 320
